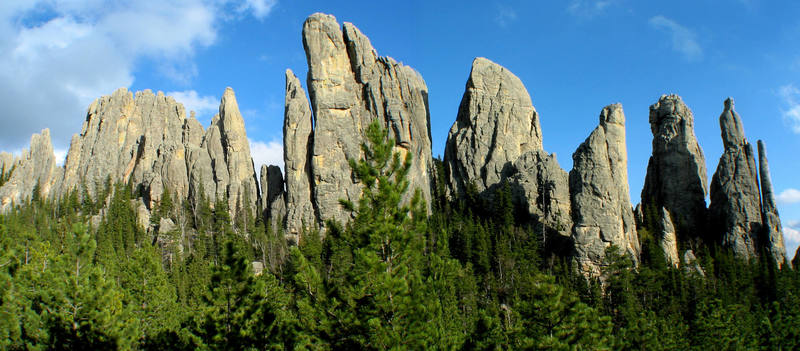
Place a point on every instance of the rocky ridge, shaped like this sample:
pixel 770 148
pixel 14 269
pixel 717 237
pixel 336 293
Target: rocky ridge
pixel 146 140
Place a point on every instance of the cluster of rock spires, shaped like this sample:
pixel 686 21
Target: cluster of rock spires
pixel 146 140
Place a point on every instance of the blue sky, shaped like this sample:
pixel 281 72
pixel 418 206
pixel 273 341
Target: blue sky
pixel 574 57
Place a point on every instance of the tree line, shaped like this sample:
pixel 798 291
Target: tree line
pixel 82 273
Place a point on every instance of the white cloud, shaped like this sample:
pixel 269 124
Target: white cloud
pixel 505 16
pixel 56 56
pixel 791 97
pixel 61 155
pixel 260 8
pixel 266 153
pixel 789 196
pixel 683 39
pixel 201 105
pixel 588 8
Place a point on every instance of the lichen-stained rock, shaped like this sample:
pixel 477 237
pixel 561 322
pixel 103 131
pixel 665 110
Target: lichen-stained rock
pixel 601 208
pixel 676 173
pixel 772 236
pixel 350 86
pixel 297 140
pixel 735 208
pixel 36 166
pixel 539 185
pixel 496 124
pixel 667 238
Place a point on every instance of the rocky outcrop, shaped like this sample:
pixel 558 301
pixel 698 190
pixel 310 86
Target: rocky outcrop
pixel 773 231
pixel 667 238
pixel 273 196
pixel 735 207
pixel 676 173
pixel 691 265
pixel 541 187
pixel 496 138
pixel 601 209
pixel 297 143
pixel 34 170
pixel 496 124
pixel 145 139
pixel 350 86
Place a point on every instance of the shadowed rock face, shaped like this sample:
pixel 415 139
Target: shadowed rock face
pixel 349 87
pixel 496 138
pixel 601 209
pixel 297 140
pixel 735 207
pixel 36 166
pixel 676 173
pixel 773 231
pixel 496 124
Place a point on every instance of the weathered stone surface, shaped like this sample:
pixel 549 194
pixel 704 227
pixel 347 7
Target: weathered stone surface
pixel 297 140
pixel 350 86
pixel 773 231
pixel 601 207
pixel 146 139
pixel 735 208
pixel 539 185
pixel 691 265
pixel 496 124
pixel 676 173
pixel 667 238
pixel 36 166
pixel 273 195
pixel 6 162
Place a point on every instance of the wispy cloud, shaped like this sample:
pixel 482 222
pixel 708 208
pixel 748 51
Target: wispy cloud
pixel 684 40
pixel 266 153
pixel 791 98
pixel 789 196
pixel 505 16
pixel 259 8
pixel 202 105
pixel 589 8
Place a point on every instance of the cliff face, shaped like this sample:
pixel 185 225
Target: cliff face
pixel 742 208
pixel 35 169
pixel 349 86
pixel 145 139
pixel 601 206
pixel 496 138
pixel 676 173
pixel 735 197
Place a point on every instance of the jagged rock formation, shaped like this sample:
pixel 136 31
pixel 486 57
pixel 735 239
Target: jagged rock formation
pixel 676 173
pixel 667 238
pixel 773 232
pixel 540 186
pixel 273 201
pixel 6 162
pixel 297 140
pixel 601 207
pixel 735 197
pixel 349 87
pixel 496 138
pixel 147 140
pixel 496 124
pixel 36 166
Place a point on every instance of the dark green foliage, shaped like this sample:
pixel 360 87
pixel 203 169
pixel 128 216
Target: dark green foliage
pixel 467 275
